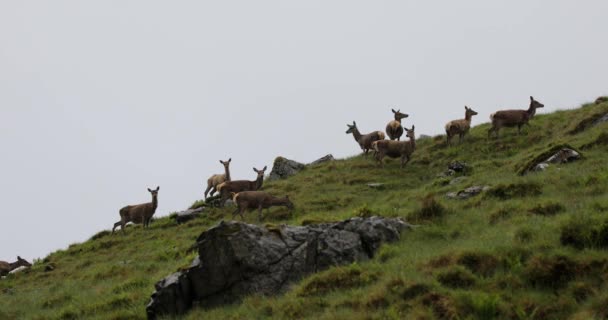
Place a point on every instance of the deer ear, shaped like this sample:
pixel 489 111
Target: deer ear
pixel 531 98
pixel 393 110
pixel 354 124
pixel 157 188
pixel 149 190
pixel 254 169
pixel 466 108
pixel 413 127
pixel 229 160
pixel 265 167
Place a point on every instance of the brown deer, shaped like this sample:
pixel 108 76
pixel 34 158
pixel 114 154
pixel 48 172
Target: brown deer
pixel 396 149
pixel 6 268
pixel 365 140
pixel 258 200
pixel 460 127
pixel 217 179
pixel 394 130
pixel 140 213
pixel 513 118
pixel 229 187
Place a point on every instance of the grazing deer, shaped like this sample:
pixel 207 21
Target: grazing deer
pixel 6 268
pixel 365 140
pixel 141 213
pixel 396 149
pixel 227 188
pixel 217 179
pixel 460 127
pixel 394 130
pixel 513 118
pixel 258 200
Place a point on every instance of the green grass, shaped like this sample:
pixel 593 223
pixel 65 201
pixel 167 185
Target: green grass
pixel 531 247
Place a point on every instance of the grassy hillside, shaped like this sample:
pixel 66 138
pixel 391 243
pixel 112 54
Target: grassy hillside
pixel 532 247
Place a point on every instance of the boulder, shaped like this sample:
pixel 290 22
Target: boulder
pixel 237 259
pixel 467 193
pixel 284 168
pixel 187 215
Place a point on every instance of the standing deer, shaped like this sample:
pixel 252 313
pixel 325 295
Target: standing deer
pixel 394 130
pixel 258 200
pixel 6 268
pixel 513 118
pixel 217 179
pixel 460 127
pixel 365 140
pixel 396 149
pixel 227 188
pixel 140 213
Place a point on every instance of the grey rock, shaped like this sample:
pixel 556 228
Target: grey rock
pixel 324 159
pixel 467 193
pixel 284 168
pixel 562 156
pixel 237 259
pixel 377 186
pixel 457 180
pixel 187 215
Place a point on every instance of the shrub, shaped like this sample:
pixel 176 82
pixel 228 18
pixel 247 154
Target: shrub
pixel 431 209
pixel 456 278
pixel 480 263
pixel 100 235
pixel 515 190
pixel 585 233
pixel 551 272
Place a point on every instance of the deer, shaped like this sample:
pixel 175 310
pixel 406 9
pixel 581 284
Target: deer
pixel 396 149
pixel 258 200
pixel 460 127
pixel 229 187
pixel 365 140
pixel 513 118
pixel 394 130
pixel 138 214
pixel 6 268
pixel 217 179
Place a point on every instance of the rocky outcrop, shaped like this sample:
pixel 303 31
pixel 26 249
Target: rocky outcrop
pixel 238 259
pixel 558 155
pixel 284 168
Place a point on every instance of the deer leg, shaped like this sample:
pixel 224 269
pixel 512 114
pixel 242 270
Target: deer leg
pixel 116 225
pixel 207 191
pixel 260 213
pixel 461 138
pixel 519 129
pixel 235 212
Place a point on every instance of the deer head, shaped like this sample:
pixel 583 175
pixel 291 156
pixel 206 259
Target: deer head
pixel 535 104
pixel 260 172
pixel 154 192
pixel 22 262
pixel 226 163
pixel 399 115
pixel 469 113
pixel 352 128
pixel 410 132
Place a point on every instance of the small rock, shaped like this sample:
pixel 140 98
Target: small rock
pixel 49 268
pixel 564 155
pixel 324 159
pixel 378 186
pixel 541 167
pixel 457 180
pixel 467 193
pixel 185 216
pixel 459 167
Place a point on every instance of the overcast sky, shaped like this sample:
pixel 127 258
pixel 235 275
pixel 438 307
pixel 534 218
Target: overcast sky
pixel 100 100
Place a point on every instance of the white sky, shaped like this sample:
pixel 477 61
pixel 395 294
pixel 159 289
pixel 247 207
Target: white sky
pixel 100 100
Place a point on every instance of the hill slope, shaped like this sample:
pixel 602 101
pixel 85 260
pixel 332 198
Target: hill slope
pixel 532 247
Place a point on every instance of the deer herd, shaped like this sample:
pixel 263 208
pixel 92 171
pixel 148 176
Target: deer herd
pixel 246 195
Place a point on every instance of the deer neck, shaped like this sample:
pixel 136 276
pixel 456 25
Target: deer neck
pixel 227 174
pixel 468 118
pixel 531 111
pixel 413 142
pixel 259 182
pixel 397 119
pixel 357 134
pixel 154 202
